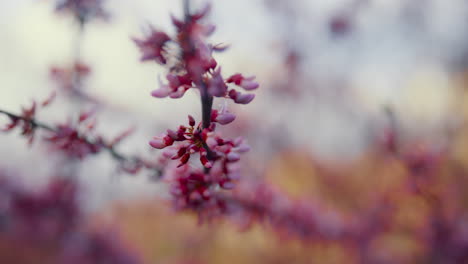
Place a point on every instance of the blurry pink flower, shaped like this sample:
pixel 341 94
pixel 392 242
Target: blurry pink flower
pixel 216 85
pixel 161 142
pixel 245 82
pixel 152 46
pixel 222 118
pixel 241 98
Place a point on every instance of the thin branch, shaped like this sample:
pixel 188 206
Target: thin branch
pixel 110 149
pixel 33 122
pixel 186 4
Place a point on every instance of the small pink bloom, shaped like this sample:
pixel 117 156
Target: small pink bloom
pixel 205 162
pixel 216 85
pixel 191 120
pixel 161 141
pixel 248 84
pixel 160 93
pixel 211 142
pixel 241 98
pixel 157 143
pixel 225 118
pixel 178 93
pixel 163 91
pixel 245 82
pixel 185 158
pixel 152 47
pixel 236 79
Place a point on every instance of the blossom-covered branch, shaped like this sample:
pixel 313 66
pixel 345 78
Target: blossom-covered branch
pixel 69 139
pixel 192 66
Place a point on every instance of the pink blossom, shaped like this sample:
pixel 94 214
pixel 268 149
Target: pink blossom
pixel 245 82
pixel 225 118
pixel 216 85
pixel 176 87
pixel 153 45
pixel 241 98
pixel 162 92
pixel 233 156
pixel 222 118
pixel 161 142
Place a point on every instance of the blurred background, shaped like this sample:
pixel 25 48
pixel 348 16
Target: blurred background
pixel 342 83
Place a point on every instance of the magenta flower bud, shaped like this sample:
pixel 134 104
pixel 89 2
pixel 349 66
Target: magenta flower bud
pixel 158 143
pixel 238 141
pixel 245 98
pixel 225 118
pixel 205 162
pixel 211 142
pixel 172 134
pixel 152 47
pixel 241 98
pixel 245 82
pixel 236 79
pixel 180 153
pixel 191 120
pixel 163 91
pixel 178 93
pixel 161 141
pixel 185 158
pixel 160 93
pixel 216 85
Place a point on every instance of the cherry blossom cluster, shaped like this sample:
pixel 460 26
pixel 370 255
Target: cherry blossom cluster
pixel 191 65
pixel 49 225
pixel 195 67
pixel 219 158
pixel 77 139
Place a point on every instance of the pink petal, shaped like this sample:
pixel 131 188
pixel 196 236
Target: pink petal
pixel 249 85
pixel 161 92
pixel 232 156
pixel 244 98
pixel 225 118
pixel 158 143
